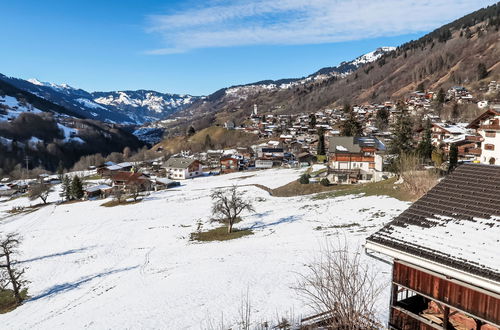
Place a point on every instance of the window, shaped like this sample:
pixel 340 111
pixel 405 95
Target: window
pixel 489 147
pixel 491 134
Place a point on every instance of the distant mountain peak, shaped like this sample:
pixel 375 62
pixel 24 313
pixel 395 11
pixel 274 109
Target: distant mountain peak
pixel 372 56
pixel 59 87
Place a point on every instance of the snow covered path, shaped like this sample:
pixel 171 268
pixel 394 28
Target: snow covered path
pixel 133 266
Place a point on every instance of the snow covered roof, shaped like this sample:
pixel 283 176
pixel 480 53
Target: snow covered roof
pixel 97 188
pixel 452 129
pixel 455 225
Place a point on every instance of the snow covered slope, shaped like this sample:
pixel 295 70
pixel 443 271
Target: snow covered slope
pixel 123 107
pixel 134 266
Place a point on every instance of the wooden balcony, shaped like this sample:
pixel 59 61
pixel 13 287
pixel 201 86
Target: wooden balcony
pixel 494 127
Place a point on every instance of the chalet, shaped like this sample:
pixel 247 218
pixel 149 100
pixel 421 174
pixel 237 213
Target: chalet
pixel 125 180
pixel 353 159
pixel 488 126
pixel 7 190
pixel 97 191
pixel 305 159
pixel 182 168
pixel 440 132
pixel 109 168
pixel 229 164
pixel 444 251
pixel 164 183
pixel 469 146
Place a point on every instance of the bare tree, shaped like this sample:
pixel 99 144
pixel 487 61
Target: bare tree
pixel 39 190
pixel 341 289
pixel 135 190
pixel 9 245
pixel 118 194
pixel 228 205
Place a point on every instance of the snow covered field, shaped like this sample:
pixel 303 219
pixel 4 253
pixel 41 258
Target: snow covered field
pixel 134 266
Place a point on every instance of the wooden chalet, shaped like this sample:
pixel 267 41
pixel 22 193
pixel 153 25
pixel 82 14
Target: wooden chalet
pixel 445 254
pixel 352 158
pixel 488 126
pixel 229 164
pixel 126 180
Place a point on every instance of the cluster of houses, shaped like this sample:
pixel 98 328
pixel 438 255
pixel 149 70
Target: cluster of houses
pixel 291 140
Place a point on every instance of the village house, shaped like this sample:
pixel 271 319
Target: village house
pixel 182 168
pixel 128 180
pixel 353 159
pixel 488 126
pixel 229 164
pixel 442 131
pixel 164 183
pixel 97 191
pixel 444 251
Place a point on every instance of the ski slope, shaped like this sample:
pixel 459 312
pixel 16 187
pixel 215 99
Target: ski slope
pixel 134 266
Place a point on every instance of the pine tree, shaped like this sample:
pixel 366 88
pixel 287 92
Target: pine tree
pixel 425 145
pixel 382 119
pixel 482 71
pixel 402 143
pixel 191 131
pixel 351 126
pixel 321 142
pixel 453 157
pixel 76 188
pixel 440 98
pixel 66 185
pixel 312 120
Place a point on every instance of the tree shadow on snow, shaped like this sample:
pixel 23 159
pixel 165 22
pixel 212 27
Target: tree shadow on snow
pixel 65 287
pixel 59 254
pixel 260 224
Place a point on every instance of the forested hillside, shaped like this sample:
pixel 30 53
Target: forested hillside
pixel 48 135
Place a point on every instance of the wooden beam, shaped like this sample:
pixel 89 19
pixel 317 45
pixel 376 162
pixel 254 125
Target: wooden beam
pixel 446 317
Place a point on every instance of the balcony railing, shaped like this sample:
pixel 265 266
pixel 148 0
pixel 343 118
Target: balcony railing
pixel 492 127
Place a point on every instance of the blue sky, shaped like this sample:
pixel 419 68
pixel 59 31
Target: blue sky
pixel 197 47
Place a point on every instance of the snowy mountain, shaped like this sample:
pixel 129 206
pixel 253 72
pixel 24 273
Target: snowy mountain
pixel 50 134
pixel 122 107
pixel 143 105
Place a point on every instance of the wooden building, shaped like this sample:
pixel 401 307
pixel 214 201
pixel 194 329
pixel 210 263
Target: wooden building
pixel 445 252
pixel 353 159
pixel 229 164
pixel 488 126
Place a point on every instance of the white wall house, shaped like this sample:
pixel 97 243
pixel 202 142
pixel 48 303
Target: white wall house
pixel 182 168
pixel 488 126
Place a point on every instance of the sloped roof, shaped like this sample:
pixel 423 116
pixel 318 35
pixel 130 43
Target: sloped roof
pixel 456 224
pixel 128 177
pixel 488 113
pixel 175 162
pixel 98 187
pixel 353 144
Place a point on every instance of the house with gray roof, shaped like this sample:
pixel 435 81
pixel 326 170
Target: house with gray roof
pixel 355 159
pixel 179 168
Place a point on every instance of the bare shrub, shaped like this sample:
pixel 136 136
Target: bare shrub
pixel 341 288
pixel 416 180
